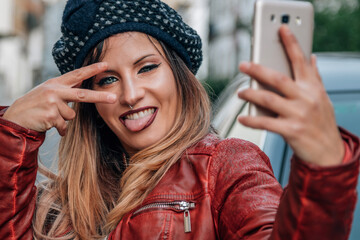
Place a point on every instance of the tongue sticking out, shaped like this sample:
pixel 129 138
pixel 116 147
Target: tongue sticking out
pixel 138 124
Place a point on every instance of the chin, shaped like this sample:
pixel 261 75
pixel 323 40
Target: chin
pixel 144 142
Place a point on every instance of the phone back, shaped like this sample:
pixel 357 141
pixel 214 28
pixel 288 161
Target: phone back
pixel 267 48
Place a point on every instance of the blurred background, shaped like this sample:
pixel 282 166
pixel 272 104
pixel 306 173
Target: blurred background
pixel 29 28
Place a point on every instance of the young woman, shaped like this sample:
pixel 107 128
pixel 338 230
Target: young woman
pixel 138 159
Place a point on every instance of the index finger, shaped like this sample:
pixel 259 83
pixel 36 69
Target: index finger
pixel 76 77
pixel 86 95
pixel 295 53
pixel 270 77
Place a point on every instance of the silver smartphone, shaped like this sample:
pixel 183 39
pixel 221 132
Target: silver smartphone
pixel 267 48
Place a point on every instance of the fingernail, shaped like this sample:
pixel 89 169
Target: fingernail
pixel 244 66
pixel 287 30
pixel 241 118
pixel 111 97
pixel 81 94
pixel 102 65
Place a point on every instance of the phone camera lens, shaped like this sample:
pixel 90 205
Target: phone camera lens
pixel 285 18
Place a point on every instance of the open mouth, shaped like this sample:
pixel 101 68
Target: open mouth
pixel 139 119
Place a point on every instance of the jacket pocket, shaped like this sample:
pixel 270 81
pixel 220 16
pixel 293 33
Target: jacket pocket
pixel 176 206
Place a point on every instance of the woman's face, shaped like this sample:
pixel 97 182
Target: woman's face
pixel 140 77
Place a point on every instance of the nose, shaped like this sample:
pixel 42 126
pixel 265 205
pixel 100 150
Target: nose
pixel 131 92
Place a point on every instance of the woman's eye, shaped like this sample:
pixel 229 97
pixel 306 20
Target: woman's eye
pixel 148 68
pixel 107 81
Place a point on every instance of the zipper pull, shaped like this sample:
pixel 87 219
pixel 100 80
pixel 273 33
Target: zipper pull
pixel 187 221
pixel 185 206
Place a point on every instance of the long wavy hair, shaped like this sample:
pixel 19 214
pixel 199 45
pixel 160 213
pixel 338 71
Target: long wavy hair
pixel 97 183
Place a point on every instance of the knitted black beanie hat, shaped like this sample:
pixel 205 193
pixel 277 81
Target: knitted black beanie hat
pixel 85 23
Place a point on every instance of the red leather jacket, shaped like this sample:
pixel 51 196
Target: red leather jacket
pixel 220 189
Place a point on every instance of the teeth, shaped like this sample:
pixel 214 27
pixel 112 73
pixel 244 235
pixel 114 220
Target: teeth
pixel 141 114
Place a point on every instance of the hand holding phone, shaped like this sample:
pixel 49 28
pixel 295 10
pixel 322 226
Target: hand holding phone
pixel 305 115
pixel 267 48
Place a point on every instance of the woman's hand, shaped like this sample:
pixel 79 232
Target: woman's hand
pixel 306 117
pixel 46 106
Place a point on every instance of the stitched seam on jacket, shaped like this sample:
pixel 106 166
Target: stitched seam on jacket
pixel 211 190
pixel 303 203
pixel 167 229
pixel 211 172
pixel 15 181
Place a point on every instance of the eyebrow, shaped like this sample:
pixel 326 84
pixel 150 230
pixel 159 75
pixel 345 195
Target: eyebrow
pixel 136 62
pixel 109 71
pixel 142 58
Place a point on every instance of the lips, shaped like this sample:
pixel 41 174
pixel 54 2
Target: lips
pixel 139 119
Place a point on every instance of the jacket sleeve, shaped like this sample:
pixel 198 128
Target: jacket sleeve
pixel 317 204
pixel 18 167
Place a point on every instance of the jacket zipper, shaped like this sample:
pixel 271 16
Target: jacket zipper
pixel 178 206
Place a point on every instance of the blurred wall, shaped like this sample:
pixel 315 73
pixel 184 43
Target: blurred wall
pixel 21 40
pixel 229 36
pixel 52 21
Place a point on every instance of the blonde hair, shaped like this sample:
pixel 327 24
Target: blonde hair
pixel 95 186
